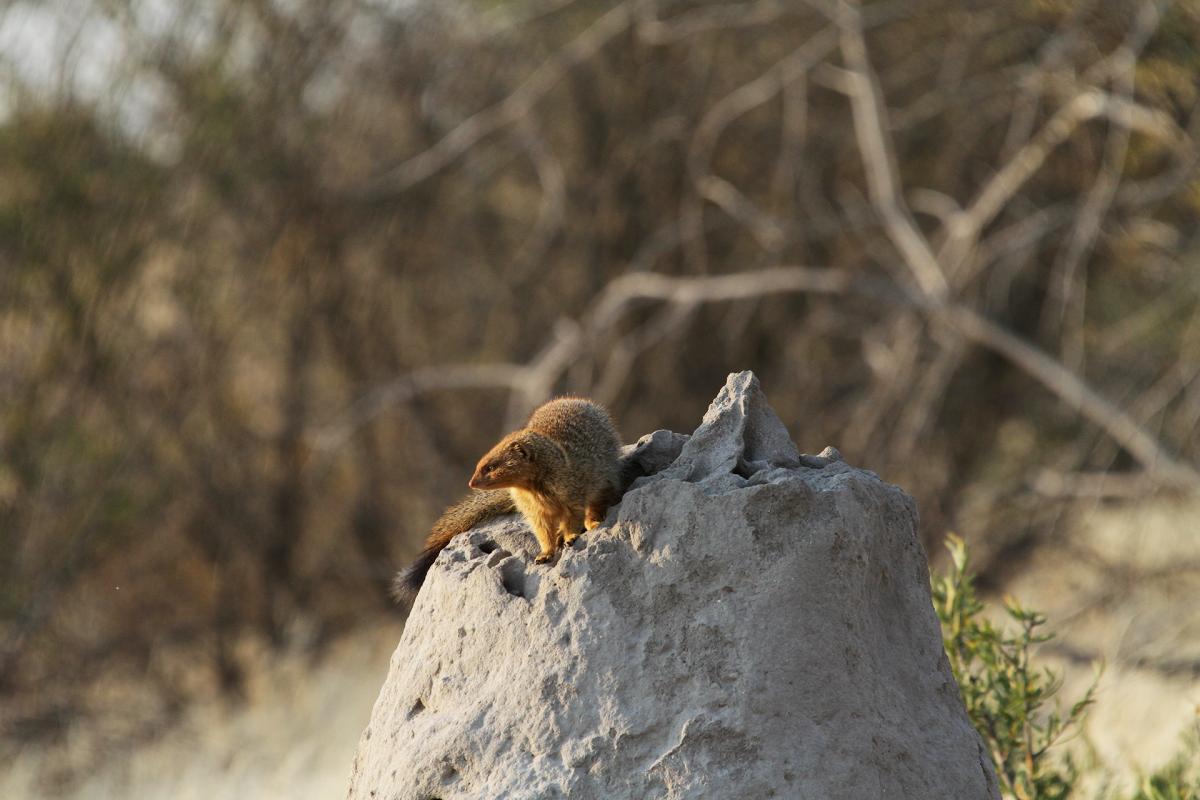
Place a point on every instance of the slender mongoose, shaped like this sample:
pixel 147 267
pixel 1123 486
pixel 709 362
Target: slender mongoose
pixel 560 471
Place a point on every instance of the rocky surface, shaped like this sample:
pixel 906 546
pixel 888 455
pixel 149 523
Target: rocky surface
pixel 750 622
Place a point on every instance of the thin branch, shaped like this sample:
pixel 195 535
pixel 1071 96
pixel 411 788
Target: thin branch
pixel 402 389
pixel 627 289
pixel 712 18
pixel 1065 297
pixel 1008 180
pixel 741 100
pixel 509 110
pixel 769 231
pixel 870 130
pixel 551 214
pixel 621 357
pixel 1076 394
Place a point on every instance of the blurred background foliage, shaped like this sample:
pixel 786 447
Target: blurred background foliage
pixel 252 253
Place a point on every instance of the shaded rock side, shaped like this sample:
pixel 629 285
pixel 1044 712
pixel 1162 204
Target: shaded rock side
pixel 750 622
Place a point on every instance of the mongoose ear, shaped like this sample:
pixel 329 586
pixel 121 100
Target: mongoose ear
pixel 520 450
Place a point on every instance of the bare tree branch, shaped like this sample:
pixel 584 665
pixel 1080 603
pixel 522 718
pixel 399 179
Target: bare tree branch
pixel 551 213
pixel 1008 180
pixel 1065 296
pixel 746 97
pixel 1076 394
pixel 571 342
pixel 404 388
pixel 509 110
pixel 712 18
pixel 870 129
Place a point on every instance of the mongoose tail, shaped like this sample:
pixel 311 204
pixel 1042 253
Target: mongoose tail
pixel 476 507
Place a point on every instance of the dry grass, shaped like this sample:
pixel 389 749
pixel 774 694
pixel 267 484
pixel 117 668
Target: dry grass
pixel 294 737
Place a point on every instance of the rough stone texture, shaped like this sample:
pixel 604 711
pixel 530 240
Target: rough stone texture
pixel 750 623
pixel 653 452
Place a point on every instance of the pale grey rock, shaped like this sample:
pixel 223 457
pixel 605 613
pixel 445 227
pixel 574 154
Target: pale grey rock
pixel 651 454
pixel 750 624
pixel 826 456
pixel 739 436
pixel 830 453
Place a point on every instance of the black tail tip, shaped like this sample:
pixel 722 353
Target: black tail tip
pixel 404 588
pixel 408 581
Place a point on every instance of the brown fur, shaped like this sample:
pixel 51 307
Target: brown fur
pixel 560 471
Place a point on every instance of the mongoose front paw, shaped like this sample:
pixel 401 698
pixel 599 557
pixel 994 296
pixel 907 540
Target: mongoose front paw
pixel 570 538
pixel 542 558
pixel 591 524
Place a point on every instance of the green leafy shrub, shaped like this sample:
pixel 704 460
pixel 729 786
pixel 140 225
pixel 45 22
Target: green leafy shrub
pixel 1013 704
pixel 1009 700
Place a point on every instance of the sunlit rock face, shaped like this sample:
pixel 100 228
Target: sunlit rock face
pixel 751 622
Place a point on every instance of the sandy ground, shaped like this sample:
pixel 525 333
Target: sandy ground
pixel 1123 589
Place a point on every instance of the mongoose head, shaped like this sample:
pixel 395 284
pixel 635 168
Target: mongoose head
pixel 518 461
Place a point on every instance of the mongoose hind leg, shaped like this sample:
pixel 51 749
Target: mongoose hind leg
pixel 598 507
pixel 572 522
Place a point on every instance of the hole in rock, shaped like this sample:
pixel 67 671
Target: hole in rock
pixel 417 708
pixel 487 546
pixel 745 469
pixel 512 577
